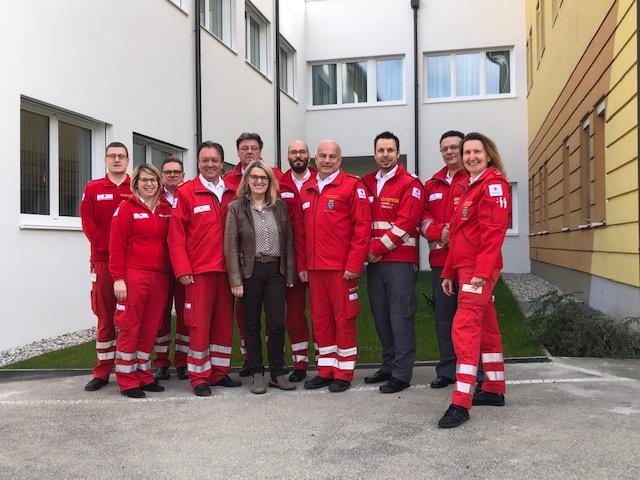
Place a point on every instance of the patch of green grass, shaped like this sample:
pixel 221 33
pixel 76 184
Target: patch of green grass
pixel 515 335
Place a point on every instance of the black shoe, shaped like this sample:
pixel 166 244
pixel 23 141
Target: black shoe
pixel 488 398
pixel 133 393
pixel 162 373
pixel 298 375
pixel 245 371
pixel 202 390
pixel 338 385
pixel 441 382
pixel 153 387
pixel 394 385
pixel 95 384
pixel 454 417
pixel 378 377
pixel 227 381
pixel 182 373
pixel 317 382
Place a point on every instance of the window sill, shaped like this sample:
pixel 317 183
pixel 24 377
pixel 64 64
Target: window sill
pixel 260 72
pixel 356 105
pixel 290 97
pixel 217 39
pixel 469 99
pixel 45 222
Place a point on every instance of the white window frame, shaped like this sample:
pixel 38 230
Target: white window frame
pixel 228 22
pixel 55 221
pixel 483 76
pixel 371 83
pixel 181 4
pixel 513 231
pixel 291 61
pixel 252 13
pixel 149 143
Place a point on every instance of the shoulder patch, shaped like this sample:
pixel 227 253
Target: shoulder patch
pixel 495 190
pixel 415 192
pixel 361 193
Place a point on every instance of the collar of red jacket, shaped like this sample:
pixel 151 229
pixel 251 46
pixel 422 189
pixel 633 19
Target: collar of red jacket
pixel 441 175
pixel 336 181
pixel 489 174
pixel 109 183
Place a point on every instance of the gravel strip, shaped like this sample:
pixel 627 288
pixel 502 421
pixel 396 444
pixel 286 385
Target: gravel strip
pixel 46 345
pixel 527 286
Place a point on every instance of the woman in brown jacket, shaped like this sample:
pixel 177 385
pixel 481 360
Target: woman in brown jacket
pixel 258 250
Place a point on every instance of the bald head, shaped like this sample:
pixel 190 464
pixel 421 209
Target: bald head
pixel 298 156
pixel 328 158
pixel 332 143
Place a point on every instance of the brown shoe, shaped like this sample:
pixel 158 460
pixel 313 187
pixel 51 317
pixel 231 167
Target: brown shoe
pixel 282 382
pixel 258 386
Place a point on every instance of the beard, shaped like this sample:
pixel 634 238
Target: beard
pixel 299 168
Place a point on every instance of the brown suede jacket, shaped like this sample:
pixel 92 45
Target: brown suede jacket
pixel 240 242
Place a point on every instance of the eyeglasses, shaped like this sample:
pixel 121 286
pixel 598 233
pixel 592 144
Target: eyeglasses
pixel 246 148
pixel 295 153
pixel 148 180
pixel 171 172
pixel 453 148
pixel 259 178
pixel 119 156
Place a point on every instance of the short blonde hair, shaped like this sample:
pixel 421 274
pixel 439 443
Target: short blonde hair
pixel 272 192
pixel 151 170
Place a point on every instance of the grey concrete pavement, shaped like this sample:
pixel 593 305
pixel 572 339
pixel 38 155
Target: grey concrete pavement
pixel 572 418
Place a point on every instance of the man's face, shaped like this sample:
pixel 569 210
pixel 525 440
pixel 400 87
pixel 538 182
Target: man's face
pixel 328 158
pixel 386 154
pixel 451 152
pixel 298 156
pixel 172 175
pixel 210 164
pixel 116 160
pixel 248 151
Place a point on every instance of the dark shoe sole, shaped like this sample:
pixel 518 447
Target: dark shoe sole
pixel 373 380
pixel 335 388
pixel 95 384
pixel 392 390
pixel 452 425
pixel 441 384
pixel 133 393
pixel 497 402
pixel 273 384
pixel 152 387
pixel 296 377
pixel 202 392
pixel 314 386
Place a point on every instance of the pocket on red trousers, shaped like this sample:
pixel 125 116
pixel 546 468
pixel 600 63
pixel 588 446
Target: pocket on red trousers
pixel 188 313
pixel 124 317
pixel 353 298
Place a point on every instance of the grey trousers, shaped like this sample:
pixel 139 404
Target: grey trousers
pixel 392 297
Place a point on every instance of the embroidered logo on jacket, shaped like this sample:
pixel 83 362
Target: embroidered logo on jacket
pixel 435 196
pixel 104 196
pixel 138 216
pixel 202 208
pixel 495 190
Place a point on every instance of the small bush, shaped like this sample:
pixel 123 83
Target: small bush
pixel 568 328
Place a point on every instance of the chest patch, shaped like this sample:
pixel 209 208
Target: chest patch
pixel 361 193
pixel 416 192
pixel 435 196
pixel 287 195
pixel 104 196
pixel 138 216
pixel 306 205
pixel 202 208
pixel 331 204
pixel 465 209
pixel 495 190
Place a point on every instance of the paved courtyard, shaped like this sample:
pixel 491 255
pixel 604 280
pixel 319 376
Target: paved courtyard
pixel 571 418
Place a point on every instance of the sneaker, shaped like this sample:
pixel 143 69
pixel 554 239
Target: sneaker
pixel 202 390
pixel 281 382
pixel 133 393
pixel 258 386
pixel 338 386
pixel 454 417
pixel 162 373
pixel 245 371
pixel 488 398
pixel 317 382
pixel 95 384
pixel 298 375
pixel 227 381
pixel 153 387
pixel 182 373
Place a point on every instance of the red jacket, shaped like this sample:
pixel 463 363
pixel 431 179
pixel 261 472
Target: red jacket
pixel 478 226
pixel 440 200
pixel 333 227
pixel 196 230
pixel 395 215
pixel 100 199
pixel 233 178
pixel 289 191
pixel 139 238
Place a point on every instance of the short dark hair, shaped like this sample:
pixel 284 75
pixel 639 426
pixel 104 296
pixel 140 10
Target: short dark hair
pixel 210 144
pixel 452 133
pixel 116 145
pixel 387 136
pixel 249 136
pixel 172 160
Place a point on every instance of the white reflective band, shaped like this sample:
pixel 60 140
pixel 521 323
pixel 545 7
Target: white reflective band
pixel 466 369
pixel 327 350
pixel 346 365
pixel 126 356
pixel 347 352
pixel 425 225
pixel 493 298
pixel 463 387
pixel 222 362
pixel 315 346
pixel 144 366
pixel 143 355
pixel 299 346
pixel 494 376
pixel 435 245
pixel 380 225
pixel 126 368
pixel 199 355
pixel 398 232
pixel 106 356
pixel 326 362
pixel 182 348
pixel 299 358
pixel 162 339
pixel 492 358
pixel 242 342
pixel 219 348
pixel 206 366
pixel 160 348
pixel 386 241
pixel 182 338
pixel 410 243
pixel 243 350
pixel 103 345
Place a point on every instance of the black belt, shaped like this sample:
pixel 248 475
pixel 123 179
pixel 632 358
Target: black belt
pixel 267 259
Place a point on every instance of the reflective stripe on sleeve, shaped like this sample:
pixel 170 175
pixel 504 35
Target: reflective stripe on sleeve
pixel 398 232
pixel 466 369
pixel 380 225
pixel 386 241
pixel 492 358
pixel 411 242
pixel 463 387
pixel 494 376
pixel 299 346
pixel 103 345
pixel 219 348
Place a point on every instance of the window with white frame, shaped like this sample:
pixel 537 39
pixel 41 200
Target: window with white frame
pixel 182 4
pixel 469 74
pixel 150 150
pixel 257 38
pixel 56 156
pixel 217 16
pixel 287 67
pixel 369 81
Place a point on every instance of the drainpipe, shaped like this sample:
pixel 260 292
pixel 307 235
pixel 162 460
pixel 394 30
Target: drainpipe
pixel 277 82
pixel 415 5
pixel 198 72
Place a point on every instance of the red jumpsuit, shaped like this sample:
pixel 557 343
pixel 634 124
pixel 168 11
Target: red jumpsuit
pixel 333 231
pixel 196 238
pixel 139 256
pixel 100 199
pixel 478 227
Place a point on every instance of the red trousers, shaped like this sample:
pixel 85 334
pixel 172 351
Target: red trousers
pixel 138 319
pixel 103 304
pixel 474 333
pixel 334 309
pixel 163 338
pixel 296 324
pixel 208 313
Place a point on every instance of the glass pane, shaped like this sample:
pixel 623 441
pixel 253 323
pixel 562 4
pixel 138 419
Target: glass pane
pixel 254 43
pixel 139 154
pixel 389 80
pixel 498 72
pixel 354 82
pixel 284 61
pixel 324 84
pixel 215 12
pixel 34 163
pixel 158 156
pixel 74 166
pixel 467 74
pixel 203 19
pixel 439 76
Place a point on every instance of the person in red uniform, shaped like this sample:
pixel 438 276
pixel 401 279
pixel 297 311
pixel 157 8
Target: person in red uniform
pixel 478 227
pixel 196 239
pixel 333 233
pixel 396 210
pixel 172 171
pixel 291 183
pixel 139 266
pixel 100 199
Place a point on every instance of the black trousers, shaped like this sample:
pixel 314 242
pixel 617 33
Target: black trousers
pixel 264 287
